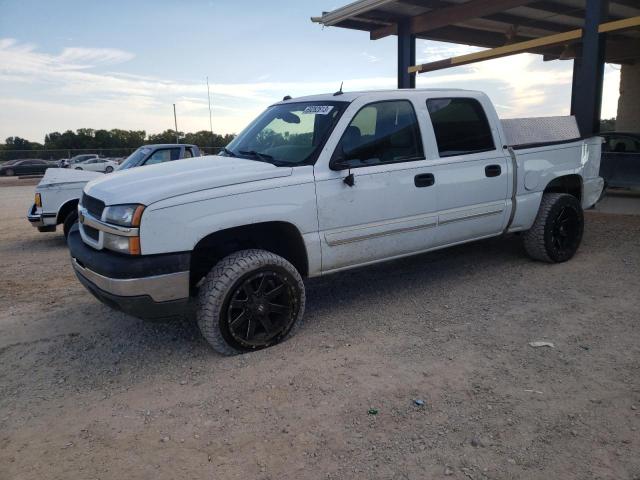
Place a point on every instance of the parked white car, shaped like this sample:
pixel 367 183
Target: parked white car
pixel 97 165
pixel 71 162
pixel 326 183
pixel 57 194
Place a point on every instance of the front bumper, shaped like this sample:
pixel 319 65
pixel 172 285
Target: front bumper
pixel 44 222
pixel 155 286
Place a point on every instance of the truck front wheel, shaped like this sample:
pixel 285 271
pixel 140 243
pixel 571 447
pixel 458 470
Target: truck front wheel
pixel 557 230
pixel 69 221
pixel 251 299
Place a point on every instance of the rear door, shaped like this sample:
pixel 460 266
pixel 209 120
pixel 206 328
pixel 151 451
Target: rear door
pixel 381 203
pixel 471 172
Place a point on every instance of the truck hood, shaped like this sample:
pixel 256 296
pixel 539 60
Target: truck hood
pixel 147 185
pixel 60 177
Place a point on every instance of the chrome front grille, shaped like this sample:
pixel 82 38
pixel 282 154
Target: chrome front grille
pixel 94 206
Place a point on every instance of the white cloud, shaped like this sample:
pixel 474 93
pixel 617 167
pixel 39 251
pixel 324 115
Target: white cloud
pixel 89 57
pixel 370 58
pixel 44 92
pixel 433 51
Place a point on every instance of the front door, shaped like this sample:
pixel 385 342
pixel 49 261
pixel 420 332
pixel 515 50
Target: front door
pixel 378 199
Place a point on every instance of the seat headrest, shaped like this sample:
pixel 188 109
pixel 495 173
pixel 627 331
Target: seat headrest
pixel 352 138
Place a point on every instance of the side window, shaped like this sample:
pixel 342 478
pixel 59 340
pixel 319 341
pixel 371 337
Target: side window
pixel 163 155
pixel 382 132
pixel 188 153
pixel 623 145
pixel 460 125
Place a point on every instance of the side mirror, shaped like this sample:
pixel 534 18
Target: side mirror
pixel 341 160
pixel 340 163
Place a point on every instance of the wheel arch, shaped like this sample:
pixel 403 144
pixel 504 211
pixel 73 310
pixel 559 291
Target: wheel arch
pixel 571 184
pixel 279 237
pixel 65 209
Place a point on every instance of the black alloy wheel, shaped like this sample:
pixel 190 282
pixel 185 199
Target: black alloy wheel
pixel 557 230
pixel 251 299
pixel 565 231
pixel 262 307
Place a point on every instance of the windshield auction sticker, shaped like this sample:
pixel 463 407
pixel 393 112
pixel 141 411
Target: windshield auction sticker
pixel 318 109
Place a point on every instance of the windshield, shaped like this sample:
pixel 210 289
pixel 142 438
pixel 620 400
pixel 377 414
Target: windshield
pixel 287 134
pixel 134 159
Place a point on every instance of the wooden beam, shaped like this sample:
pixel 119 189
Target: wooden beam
pixel 520 47
pixel 450 15
pixel 627 51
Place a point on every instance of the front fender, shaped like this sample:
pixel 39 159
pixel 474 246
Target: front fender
pixel 180 227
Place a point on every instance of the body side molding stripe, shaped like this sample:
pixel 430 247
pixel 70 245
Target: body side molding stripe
pixel 393 227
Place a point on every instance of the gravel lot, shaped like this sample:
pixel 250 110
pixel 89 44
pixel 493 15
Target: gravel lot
pixel 86 392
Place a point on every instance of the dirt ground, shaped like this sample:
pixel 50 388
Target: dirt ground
pixel 86 392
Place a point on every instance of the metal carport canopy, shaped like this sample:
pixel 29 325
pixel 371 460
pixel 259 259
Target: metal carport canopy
pixel 496 23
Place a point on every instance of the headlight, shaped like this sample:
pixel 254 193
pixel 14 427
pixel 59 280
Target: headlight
pixel 118 243
pixel 124 215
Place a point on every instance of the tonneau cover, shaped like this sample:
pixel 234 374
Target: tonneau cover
pixel 540 130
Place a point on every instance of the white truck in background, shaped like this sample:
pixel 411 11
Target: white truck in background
pixel 57 194
pixel 325 183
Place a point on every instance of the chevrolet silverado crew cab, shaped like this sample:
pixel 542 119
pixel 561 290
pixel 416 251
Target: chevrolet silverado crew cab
pixel 57 194
pixel 325 183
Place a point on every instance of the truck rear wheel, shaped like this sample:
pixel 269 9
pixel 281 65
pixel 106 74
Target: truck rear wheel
pixel 557 230
pixel 251 299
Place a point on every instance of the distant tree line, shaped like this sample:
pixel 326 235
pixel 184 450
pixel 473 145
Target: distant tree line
pixel 90 139
pixel 127 140
pixel 607 124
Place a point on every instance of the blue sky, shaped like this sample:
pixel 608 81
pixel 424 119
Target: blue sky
pixel 69 64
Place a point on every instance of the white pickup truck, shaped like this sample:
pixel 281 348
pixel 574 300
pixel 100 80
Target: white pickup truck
pixel 57 194
pixel 320 184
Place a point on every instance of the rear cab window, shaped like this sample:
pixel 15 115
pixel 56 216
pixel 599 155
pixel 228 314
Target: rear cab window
pixel 460 126
pixel 163 155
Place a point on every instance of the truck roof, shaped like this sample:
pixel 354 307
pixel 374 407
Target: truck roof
pixel 351 96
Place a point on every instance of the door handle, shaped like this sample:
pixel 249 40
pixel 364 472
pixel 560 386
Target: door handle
pixel 492 170
pixel 424 180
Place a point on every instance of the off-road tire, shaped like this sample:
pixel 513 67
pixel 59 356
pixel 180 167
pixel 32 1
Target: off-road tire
pixel 69 221
pixel 222 281
pixel 538 241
